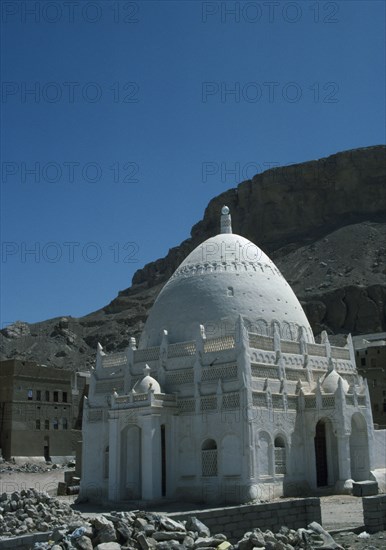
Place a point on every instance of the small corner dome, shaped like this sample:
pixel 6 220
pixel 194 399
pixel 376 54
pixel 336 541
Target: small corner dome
pixel 330 382
pixel 147 383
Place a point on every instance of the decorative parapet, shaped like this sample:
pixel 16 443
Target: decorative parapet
pixel 277 401
pixel 187 405
pixel 216 372
pixel 210 403
pixel 175 378
pixel 140 399
pixel 263 371
pixel 317 349
pixel 296 374
pixel 182 349
pixel 144 355
pixel 288 346
pixel 114 360
pixel 219 344
pixel 257 341
pixel 260 342
pixel 107 386
pixel 340 353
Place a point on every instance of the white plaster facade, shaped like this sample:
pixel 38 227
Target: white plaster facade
pixel 228 397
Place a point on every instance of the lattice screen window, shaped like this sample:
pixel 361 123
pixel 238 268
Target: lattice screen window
pixel 292 403
pixel 296 375
pixel 350 400
pixel 263 372
pixel 277 401
pixel 208 403
pixel 259 399
pixel 361 400
pixel 280 456
pixel 209 458
pixel 219 344
pixel 223 371
pixel 186 405
pixel 180 377
pixel 310 403
pixel 231 401
pixel 328 402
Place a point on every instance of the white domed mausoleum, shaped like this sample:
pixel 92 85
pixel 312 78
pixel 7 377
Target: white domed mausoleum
pixel 227 397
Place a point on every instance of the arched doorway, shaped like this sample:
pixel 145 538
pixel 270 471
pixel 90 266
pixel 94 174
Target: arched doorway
pixel 359 448
pixel 209 458
pixel 280 456
pixel 264 455
pixel 131 478
pixel 326 454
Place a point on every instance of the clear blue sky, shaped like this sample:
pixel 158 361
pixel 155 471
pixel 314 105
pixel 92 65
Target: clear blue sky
pixel 131 126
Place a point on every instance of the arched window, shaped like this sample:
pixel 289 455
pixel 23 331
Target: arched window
pixel 280 456
pixel 209 458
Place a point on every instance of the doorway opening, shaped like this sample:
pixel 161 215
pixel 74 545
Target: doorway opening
pixel 46 449
pixel 321 454
pixel 163 460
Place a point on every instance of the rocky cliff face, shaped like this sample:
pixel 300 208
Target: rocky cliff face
pixel 323 223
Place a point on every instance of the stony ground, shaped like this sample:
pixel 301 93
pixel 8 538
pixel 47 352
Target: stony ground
pixel 23 511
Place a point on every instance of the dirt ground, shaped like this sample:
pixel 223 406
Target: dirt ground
pixel 41 481
pixel 339 512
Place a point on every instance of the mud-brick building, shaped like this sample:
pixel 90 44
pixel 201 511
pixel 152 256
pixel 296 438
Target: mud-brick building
pixel 36 410
pixel 370 356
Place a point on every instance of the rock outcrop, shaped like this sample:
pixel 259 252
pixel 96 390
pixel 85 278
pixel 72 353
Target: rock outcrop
pixel 323 223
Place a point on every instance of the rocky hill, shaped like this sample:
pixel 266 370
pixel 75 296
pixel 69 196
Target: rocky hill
pixel 323 223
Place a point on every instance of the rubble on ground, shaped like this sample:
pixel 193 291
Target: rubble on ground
pixel 28 467
pixel 31 511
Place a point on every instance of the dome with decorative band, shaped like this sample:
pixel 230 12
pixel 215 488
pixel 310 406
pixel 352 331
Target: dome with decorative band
pixel 225 277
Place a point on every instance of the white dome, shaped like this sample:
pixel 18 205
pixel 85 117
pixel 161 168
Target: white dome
pixel 224 277
pixel 331 381
pixel 147 382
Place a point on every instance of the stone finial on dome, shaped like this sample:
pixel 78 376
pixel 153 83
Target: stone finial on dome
pixel 146 370
pixel 226 220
